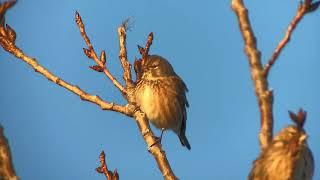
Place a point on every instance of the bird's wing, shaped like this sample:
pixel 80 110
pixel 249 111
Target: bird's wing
pixel 180 92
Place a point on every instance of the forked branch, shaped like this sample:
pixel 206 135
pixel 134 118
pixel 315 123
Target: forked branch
pixel 7 41
pixel 259 73
pixel 154 147
pixel 264 95
pixel 90 53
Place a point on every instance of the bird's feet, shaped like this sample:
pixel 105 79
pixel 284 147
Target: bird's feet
pixel 158 139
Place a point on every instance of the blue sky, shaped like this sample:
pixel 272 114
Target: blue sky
pixel 54 135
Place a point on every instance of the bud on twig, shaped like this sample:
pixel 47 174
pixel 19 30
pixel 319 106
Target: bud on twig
pixel 298 118
pixel 11 33
pixel 79 20
pixel 97 68
pixel 103 57
pixel 141 50
pixel 103 169
pixel 88 53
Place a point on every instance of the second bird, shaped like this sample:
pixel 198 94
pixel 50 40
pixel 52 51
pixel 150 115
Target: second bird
pixel 161 94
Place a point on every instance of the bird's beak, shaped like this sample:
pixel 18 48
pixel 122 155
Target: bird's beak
pixel 303 138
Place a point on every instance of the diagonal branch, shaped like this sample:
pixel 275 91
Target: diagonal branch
pixel 154 146
pixel 92 55
pixel 6 166
pixel 306 7
pixel 264 95
pixel 9 46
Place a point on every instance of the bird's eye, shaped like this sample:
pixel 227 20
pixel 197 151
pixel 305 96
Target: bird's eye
pixel 154 67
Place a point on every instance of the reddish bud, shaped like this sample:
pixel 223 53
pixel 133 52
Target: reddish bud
pixel 97 68
pixel 11 33
pixel 78 19
pixel 141 49
pixel 299 118
pixel 103 57
pixel 88 53
pixel 150 36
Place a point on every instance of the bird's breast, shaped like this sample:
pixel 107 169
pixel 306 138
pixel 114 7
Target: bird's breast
pixel 160 107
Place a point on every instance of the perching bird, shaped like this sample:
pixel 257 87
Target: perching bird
pixel 161 94
pixel 288 156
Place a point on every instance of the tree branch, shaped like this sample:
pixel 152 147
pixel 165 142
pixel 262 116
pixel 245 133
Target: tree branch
pixel 154 147
pixel 123 54
pixel 144 53
pixel 8 44
pixel 6 166
pixel 306 7
pixel 92 55
pixel 7 41
pixel 72 88
pixel 264 95
pixel 103 169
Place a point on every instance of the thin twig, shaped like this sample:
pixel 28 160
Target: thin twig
pixel 6 165
pixel 145 51
pixel 123 56
pixel 103 169
pixel 264 95
pixel 92 54
pixel 138 63
pixel 303 9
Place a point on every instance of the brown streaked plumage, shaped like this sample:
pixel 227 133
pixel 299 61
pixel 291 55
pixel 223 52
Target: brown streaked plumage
pixel 161 94
pixel 288 157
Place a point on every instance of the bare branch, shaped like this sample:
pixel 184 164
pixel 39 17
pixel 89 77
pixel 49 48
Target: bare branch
pixel 300 118
pixel 103 169
pixel 303 9
pixel 154 147
pixel 6 166
pixel 10 47
pixel 123 56
pixel 130 109
pixel 144 53
pixel 90 53
pixel 264 95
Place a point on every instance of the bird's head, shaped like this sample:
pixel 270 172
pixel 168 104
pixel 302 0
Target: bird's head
pixel 155 67
pixel 294 133
pixel 291 134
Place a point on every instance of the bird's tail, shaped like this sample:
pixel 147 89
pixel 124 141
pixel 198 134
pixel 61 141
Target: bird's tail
pixel 184 141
